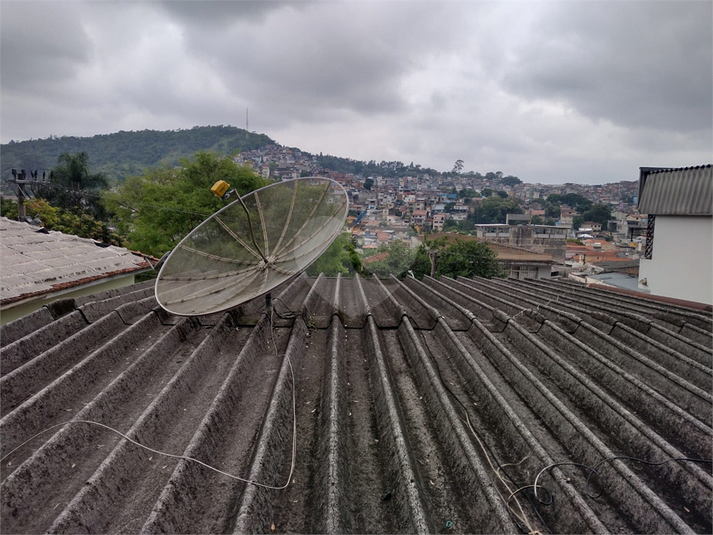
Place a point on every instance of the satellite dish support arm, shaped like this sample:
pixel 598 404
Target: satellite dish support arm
pixel 250 223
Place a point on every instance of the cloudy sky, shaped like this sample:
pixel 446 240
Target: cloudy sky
pixel 552 92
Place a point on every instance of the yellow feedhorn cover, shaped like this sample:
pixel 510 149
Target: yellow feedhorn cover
pixel 219 188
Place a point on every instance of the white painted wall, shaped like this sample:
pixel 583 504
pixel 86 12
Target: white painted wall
pixel 682 261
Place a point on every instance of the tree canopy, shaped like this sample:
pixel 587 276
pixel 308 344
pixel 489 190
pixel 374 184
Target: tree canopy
pixel 574 200
pixel 599 213
pixel 510 181
pixel 72 186
pixel 340 257
pixel 72 222
pixel 156 210
pixel 461 258
pixel 398 259
pixel 468 259
pixel 494 209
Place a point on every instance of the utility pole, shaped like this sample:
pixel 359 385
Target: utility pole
pixel 20 179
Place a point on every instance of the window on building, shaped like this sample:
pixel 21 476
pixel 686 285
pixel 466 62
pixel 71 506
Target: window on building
pixel 523 272
pixel 649 249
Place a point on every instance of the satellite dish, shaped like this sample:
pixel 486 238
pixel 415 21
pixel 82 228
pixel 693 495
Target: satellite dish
pixel 251 246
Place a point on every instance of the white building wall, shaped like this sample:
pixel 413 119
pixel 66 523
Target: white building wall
pixel 681 264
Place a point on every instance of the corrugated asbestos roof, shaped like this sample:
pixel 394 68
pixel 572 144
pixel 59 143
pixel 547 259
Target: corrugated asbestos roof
pixel 35 263
pixel 683 191
pixel 420 407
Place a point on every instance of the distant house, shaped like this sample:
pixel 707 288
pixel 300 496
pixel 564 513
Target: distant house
pixel 678 257
pixel 596 227
pixel 418 217
pixel 40 266
pixel 438 221
pixel 542 239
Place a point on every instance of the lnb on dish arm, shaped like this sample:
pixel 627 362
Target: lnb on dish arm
pixel 220 189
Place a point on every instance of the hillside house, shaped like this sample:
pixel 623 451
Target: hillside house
pixel 418 217
pixel 544 239
pixel 438 221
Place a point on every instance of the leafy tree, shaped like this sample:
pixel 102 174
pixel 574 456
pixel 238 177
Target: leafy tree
pixel 577 222
pixel 72 171
pixel 502 194
pixel 510 181
pixel 599 213
pixel 493 209
pixel 8 208
pixel 399 260
pixel 368 183
pixel 467 193
pixel 421 264
pixel 487 192
pixel 340 257
pixel 72 222
pixel 536 220
pixel 73 186
pixel 450 224
pixel 553 211
pixel 469 259
pixel 458 167
pixel 156 210
pixel 576 201
pixel 549 221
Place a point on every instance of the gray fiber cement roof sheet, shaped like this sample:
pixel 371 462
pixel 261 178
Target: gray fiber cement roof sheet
pixel 361 406
pixel 685 191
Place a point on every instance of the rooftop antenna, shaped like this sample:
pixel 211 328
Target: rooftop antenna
pixel 252 245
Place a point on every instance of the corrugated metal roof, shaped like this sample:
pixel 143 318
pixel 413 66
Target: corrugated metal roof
pixel 683 191
pixel 35 263
pixel 426 406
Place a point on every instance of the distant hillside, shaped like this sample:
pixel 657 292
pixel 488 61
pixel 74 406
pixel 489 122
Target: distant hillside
pixel 129 153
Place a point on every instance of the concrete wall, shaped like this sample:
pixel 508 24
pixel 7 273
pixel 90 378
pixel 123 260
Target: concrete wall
pixel 525 237
pixel 526 271
pixel 682 260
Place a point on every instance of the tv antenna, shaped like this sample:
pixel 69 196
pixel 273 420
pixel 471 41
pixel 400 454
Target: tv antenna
pixel 252 245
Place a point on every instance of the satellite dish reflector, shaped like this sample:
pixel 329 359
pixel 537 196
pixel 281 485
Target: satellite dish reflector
pixel 251 246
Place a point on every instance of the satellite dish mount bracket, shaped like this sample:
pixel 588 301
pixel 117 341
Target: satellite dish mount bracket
pixel 250 223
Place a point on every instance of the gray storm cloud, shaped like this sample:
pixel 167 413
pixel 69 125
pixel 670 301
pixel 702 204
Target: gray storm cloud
pixel 551 92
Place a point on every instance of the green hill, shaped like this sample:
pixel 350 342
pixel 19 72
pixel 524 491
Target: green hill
pixel 128 153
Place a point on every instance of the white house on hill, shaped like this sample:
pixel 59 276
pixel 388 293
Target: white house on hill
pixel 678 260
